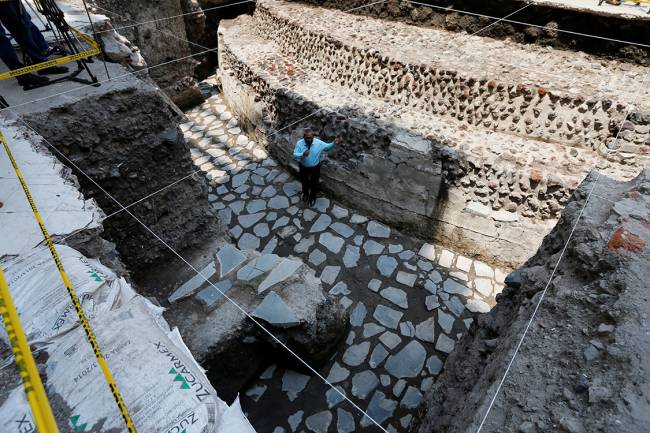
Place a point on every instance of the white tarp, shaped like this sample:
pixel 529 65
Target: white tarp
pixel 163 387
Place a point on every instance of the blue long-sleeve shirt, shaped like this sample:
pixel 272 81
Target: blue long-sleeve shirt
pixel 315 151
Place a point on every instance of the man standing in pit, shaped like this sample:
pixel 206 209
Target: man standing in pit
pixel 308 152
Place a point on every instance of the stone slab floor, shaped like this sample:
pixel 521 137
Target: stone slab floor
pixel 409 301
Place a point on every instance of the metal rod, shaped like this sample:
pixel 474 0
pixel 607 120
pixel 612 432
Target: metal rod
pixel 92 27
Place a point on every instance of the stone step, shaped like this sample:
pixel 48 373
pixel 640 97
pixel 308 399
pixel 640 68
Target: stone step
pixel 397 163
pixel 531 91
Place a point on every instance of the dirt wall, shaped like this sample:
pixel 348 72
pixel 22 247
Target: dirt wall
pixel 129 143
pixel 583 366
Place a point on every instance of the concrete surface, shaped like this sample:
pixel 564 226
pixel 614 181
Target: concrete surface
pixel 54 95
pixel 62 207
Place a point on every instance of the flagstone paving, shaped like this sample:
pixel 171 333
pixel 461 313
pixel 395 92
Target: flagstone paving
pixel 409 301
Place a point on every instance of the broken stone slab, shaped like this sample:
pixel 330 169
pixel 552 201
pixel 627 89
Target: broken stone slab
pixel 339 212
pixel 279 202
pixel 257 267
pixel 379 409
pixel 412 398
pixel 343 229
pixel 364 383
pixel 408 362
pixel 446 258
pixel 261 230
pixel 280 222
pixel 396 296
pixel 454 287
pixel 483 286
pixel 321 224
pixel 292 188
pixel 372 329
pixel 239 179
pixel 268 373
pixel 255 206
pixel 434 365
pixel 192 285
pixel 374 285
pixel 227 340
pixel 387 316
pixel 445 344
pixel 250 220
pixel 407 329
pixel 483 270
pixel 455 305
pixel 477 306
pixel 281 272
pixel 356 354
pixel 378 355
pixel 446 321
pixel 256 392
pixel 351 256
pixel 425 331
pixel 428 251
pixel 304 245
pixel 377 230
pixel 340 288
pixel 274 311
pixel 295 420
pixel 386 265
pixel 373 248
pixel 398 388
pixel 322 203
pixel 390 339
pixel 319 422
pixel 293 383
pixel 334 397
pixel 316 257
pixel 406 278
pixel 331 242
pixel 329 273
pixel 337 373
pixel 344 421
pixel 211 295
pixel 358 314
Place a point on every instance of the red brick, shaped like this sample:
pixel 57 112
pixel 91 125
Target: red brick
pixel 626 240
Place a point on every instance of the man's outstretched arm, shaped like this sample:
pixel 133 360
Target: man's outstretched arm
pixel 328 146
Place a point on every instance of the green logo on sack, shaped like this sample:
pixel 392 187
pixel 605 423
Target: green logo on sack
pixel 95 275
pixel 179 378
pixel 78 428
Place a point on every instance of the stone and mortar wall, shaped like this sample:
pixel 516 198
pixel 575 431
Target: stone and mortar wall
pixel 551 17
pixel 490 183
pixel 509 107
pixel 128 142
pixel 500 189
pixel 396 184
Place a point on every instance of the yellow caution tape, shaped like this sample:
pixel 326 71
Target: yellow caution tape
pixel 38 402
pixel 75 301
pixel 59 60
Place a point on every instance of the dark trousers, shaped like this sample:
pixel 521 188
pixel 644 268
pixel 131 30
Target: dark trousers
pixel 309 177
pixel 15 19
